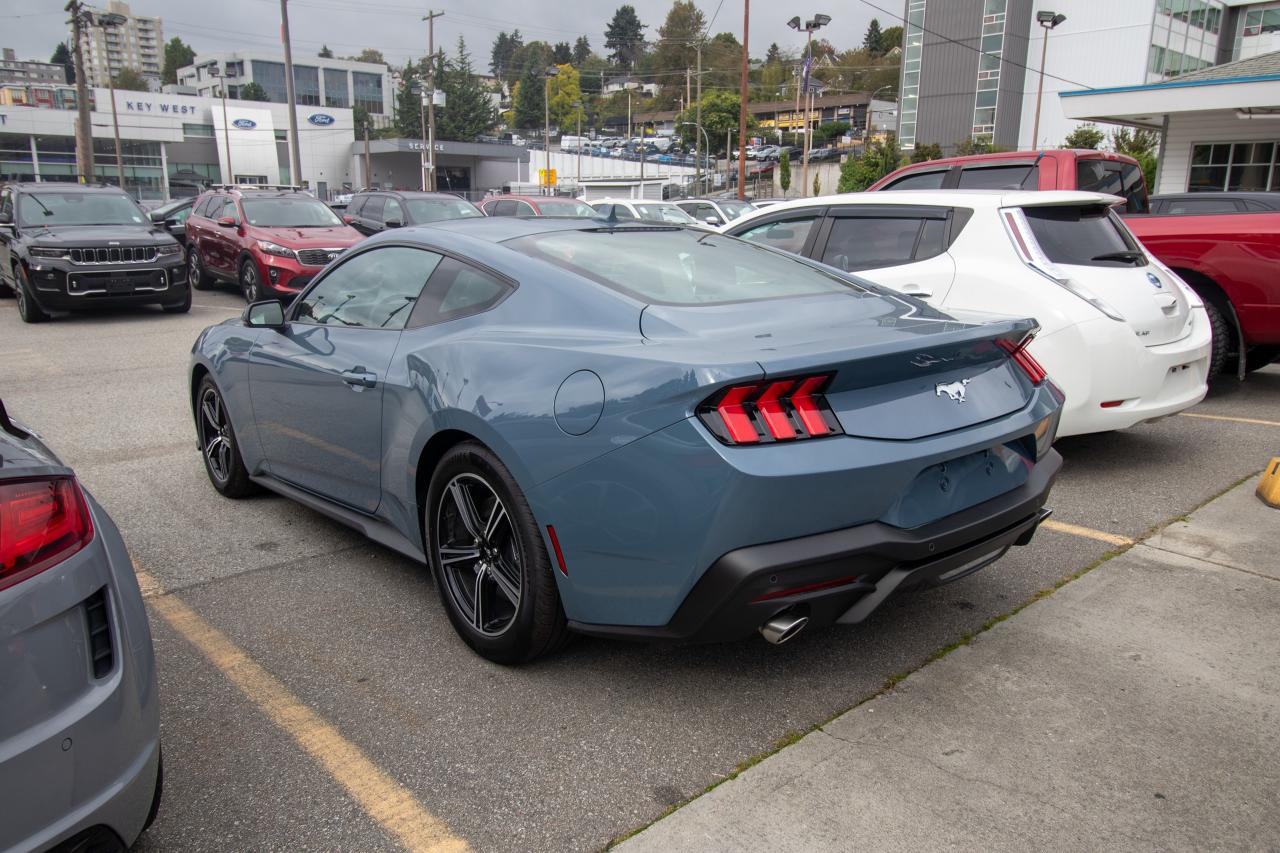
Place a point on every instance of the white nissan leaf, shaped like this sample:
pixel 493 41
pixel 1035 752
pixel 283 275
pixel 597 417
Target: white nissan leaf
pixel 1125 339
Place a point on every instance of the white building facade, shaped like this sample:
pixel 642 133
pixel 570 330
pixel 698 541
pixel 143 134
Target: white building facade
pixel 172 143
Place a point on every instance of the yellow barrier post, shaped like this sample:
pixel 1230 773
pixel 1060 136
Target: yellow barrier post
pixel 1269 485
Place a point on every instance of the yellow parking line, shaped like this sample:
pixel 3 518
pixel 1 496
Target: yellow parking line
pixel 381 797
pixel 1233 420
pixel 1087 532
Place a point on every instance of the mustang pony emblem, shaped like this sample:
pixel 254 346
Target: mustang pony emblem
pixel 954 390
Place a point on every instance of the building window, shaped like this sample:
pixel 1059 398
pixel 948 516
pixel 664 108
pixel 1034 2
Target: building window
pixel 198 130
pixel 270 76
pixel 336 92
pixel 909 97
pixel 988 85
pixel 368 91
pixel 306 85
pixel 1233 166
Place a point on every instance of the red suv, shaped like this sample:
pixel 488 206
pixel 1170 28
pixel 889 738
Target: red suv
pixel 536 205
pixel 271 242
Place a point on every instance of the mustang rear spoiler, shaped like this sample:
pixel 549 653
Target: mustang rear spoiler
pixel 9 426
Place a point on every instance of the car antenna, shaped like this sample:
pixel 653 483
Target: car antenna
pixel 612 219
pixel 1031 171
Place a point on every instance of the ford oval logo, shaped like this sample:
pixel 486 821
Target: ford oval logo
pixel 244 123
pixel 321 119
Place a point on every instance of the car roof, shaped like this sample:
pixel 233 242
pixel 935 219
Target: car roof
pixel 611 200
pixel 59 186
pixel 951 198
pixel 1005 156
pixel 411 194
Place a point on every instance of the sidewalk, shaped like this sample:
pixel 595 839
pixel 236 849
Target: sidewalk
pixel 1136 708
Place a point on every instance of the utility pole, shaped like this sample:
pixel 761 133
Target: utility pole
pixel 430 18
pixel 115 122
pixel 743 94
pixel 84 133
pixel 426 146
pixel 368 173
pixel 698 121
pixel 295 155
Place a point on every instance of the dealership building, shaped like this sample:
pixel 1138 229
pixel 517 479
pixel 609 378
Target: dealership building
pixel 171 142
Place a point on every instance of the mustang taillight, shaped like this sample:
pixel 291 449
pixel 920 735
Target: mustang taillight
pixel 42 522
pixel 1025 360
pixel 765 412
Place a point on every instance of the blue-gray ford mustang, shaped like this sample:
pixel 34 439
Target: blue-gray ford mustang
pixel 636 431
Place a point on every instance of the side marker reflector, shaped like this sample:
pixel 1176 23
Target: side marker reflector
pixel 555 544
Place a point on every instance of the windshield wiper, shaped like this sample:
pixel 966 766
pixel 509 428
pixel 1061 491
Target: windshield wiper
pixel 1126 255
pixel 36 199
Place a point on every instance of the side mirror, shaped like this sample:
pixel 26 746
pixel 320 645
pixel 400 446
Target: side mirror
pixel 227 221
pixel 155 216
pixel 265 315
pixel 348 219
pixel 172 223
pixel 394 223
pixel 712 220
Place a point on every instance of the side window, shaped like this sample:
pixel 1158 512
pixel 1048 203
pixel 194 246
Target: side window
pixel 204 204
pixel 789 235
pixel 688 207
pixel 602 209
pixel 353 209
pixel 1200 205
pixel 181 214
pixel 229 209
pixel 1099 176
pixel 372 209
pixel 920 181
pixel 523 209
pixel 705 211
pixel 457 290
pixel 505 207
pixel 6 205
pixel 860 243
pixel 623 212
pixel 1135 189
pixel 376 289
pixel 393 212
pixel 1012 177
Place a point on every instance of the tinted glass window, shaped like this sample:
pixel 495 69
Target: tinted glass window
pixel 789 235
pixel 1135 189
pixel 1200 205
pixel 6 205
pixel 229 209
pixel 526 209
pixel 373 208
pixel 374 290
pixel 602 209
pixel 353 209
pixel 736 209
pixel 564 207
pixel 858 243
pixel 655 212
pixel 919 181
pixel 1020 176
pixel 392 211
pixel 623 212
pixel 437 209
pixel 506 207
pixel 457 290
pixel 289 212
pixel 1087 236
pixel 683 266
pixel 202 205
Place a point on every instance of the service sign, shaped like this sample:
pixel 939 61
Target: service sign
pixel 321 119
pixel 244 123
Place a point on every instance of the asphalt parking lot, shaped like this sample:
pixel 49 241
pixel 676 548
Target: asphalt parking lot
pixel 304 670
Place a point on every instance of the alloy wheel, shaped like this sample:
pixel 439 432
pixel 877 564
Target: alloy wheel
pixel 480 555
pixel 215 435
pixel 193 266
pixel 249 282
pixel 20 295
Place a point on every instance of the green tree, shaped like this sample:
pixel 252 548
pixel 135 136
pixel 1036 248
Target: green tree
pixel 565 90
pixel 370 54
pixel 131 80
pixel 253 91
pixel 529 100
pixel 719 114
pixel 1141 145
pixel 929 151
pixel 969 145
pixel 468 110
pixel 581 51
pixel 878 159
pixel 62 56
pixel 872 42
pixel 625 38
pixel 500 57
pixel 1086 135
pixel 562 53
pixel 360 117
pixel 784 171
pixel 831 130
pixel 408 118
pixel 817 184
pixel 890 38
pixel 677 51
pixel 177 54
pixel 325 52
pixel 773 54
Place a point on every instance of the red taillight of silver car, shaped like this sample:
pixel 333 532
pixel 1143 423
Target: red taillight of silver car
pixel 42 522
pixel 771 411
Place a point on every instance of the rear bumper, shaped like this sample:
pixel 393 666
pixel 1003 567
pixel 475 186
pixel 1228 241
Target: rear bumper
pixel 845 575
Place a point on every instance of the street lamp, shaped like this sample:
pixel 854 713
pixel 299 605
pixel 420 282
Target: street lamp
pixel 705 138
pixel 809 28
pixel 1049 20
pixel 552 71
pixel 216 73
pixel 107 21
pixel 866 130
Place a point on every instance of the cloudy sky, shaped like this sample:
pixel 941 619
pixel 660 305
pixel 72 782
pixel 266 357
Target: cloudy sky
pixel 395 26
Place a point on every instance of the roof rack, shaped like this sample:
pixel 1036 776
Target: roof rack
pixel 273 187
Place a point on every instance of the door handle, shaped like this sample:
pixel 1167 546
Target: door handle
pixel 919 290
pixel 358 378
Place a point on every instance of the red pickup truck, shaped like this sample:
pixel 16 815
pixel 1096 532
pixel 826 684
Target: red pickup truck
pixel 1229 259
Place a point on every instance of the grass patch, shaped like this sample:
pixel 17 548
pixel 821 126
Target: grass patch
pixel 897 678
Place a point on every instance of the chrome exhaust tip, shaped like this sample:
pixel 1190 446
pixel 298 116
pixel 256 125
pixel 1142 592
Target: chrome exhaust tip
pixel 783 627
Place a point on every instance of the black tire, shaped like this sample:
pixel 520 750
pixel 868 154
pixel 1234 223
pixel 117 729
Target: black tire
pixel 28 309
pixel 196 273
pixel 218 446
pixel 180 307
pixel 251 281
pixel 156 796
pixel 1259 357
pixel 1222 340
pixel 536 625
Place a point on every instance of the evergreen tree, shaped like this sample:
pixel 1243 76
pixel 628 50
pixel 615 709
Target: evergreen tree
pixel 625 37
pixel 408 121
pixel 677 49
pixel 325 53
pixel 502 56
pixel 890 38
pixel 923 152
pixel 562 54
pixel 130 79
pixel 872 42
pixel 253 91
pixel 530 99
pixel 773 55
pixel 62 56
pixel 784 171
pixel 581 51
pixel 177 54
pixel 1085 135
pixel 877 160
pixel 370 54
pixel 468 110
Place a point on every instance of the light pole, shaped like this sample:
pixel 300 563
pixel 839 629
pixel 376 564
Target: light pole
pixel 105 20
pixel 744 94
pixel 84 132
pixel 577 109
pixel 707 139
pixel 866 129
pixel 809 28
pixel 1048 20
pixel 214 71
pixel 552 71
pixel 429 176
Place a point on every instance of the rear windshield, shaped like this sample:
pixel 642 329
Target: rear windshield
pixel 78 208
pixel 564 207
pixel 1021 176
pixel 664 213
pixel 289 213
pixel 1084 236
pixel 679 266
pixel 436 209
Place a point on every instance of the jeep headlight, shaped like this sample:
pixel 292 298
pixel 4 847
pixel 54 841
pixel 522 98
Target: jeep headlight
pixel 56 254
pixel 169 249
pixel 275 249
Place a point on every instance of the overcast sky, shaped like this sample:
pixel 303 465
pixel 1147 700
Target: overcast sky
pixel 395 26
